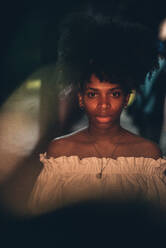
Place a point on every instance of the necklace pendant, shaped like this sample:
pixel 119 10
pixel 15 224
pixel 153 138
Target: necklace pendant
pixel 99 175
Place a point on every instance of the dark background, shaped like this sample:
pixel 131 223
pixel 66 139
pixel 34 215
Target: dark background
pixel 28 31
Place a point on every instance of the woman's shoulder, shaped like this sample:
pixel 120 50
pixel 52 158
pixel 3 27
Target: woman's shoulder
pixel 144 147
pixel 63 145
pixel 150 149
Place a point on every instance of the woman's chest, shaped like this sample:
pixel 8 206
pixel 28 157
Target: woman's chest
pixel 107 150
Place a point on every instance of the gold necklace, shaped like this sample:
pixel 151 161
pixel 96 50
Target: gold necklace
pixel 99 175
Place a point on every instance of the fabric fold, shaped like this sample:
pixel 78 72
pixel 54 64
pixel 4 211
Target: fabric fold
pixel 68 180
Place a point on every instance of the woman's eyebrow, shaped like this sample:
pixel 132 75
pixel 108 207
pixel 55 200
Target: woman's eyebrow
pixel 89 88
pixel 116 88
pixel 111 89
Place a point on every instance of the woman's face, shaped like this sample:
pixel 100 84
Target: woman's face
pixel 103 102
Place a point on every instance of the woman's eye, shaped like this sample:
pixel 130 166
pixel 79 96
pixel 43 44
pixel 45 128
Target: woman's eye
pixel 91 94
pixel 116 93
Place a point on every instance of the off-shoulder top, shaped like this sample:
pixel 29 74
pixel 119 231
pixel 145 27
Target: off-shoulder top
pixel 68 180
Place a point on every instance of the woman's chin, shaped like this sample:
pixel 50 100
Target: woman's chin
pixel 103 122
pixel 103 125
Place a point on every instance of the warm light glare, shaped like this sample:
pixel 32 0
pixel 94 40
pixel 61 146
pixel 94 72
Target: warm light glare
pixel 34 85
pixel 162 30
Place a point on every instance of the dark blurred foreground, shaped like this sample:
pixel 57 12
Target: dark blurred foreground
pixel 88 225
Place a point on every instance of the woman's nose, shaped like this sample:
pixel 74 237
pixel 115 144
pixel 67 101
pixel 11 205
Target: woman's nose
pixel 104 103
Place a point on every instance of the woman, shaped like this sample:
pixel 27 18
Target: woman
pixel 103 103
pixel 106 59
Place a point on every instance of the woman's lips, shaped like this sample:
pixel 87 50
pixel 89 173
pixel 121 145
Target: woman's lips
pixel 103 119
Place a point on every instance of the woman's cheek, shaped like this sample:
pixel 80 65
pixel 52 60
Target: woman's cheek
pixel 90 104
pixel 90 109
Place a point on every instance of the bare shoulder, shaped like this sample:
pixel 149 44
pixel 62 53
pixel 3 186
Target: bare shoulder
pixel 144 147
pixel 151 149
pixel 58 147
pixel 64 145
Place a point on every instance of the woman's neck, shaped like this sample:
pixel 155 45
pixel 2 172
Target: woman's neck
pixel 104 134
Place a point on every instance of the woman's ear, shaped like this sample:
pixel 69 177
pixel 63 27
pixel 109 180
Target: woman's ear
pixel 80 100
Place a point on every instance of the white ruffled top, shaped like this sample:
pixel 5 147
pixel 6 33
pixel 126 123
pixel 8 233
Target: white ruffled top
pixel 67 180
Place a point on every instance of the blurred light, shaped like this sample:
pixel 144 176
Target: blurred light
pixel 132 97
pixel 33 85
pixel 162 30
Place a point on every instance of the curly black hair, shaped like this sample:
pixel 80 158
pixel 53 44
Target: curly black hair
pixel 114 50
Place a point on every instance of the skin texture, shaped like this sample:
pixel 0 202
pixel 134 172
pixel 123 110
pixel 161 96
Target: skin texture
pixel 103 103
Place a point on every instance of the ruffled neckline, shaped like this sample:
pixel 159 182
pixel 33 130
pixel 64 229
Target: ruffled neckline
pixel 120 165
pixel 44 156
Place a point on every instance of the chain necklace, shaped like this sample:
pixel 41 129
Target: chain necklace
pixel 99 175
